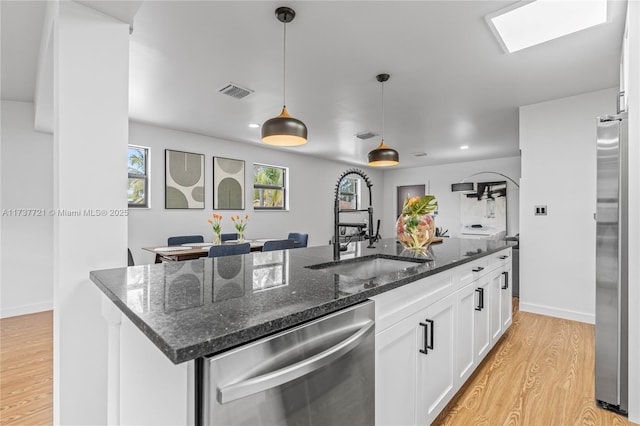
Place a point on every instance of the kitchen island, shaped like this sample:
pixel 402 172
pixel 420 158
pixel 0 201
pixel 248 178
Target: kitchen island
pixel 193 309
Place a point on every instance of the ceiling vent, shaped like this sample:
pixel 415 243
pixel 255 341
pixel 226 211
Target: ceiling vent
pixel 235 91
pixel 419 154
pixel 366 135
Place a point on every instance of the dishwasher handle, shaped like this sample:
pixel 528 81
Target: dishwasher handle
pixel 276 378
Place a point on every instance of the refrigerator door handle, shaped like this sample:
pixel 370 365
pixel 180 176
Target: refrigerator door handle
pixel 291 372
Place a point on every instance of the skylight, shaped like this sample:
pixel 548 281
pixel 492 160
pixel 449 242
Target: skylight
pixel 531 23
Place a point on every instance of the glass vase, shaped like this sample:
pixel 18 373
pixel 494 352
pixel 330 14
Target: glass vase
pixel 241 235
pixel 216 239
pixel 416 232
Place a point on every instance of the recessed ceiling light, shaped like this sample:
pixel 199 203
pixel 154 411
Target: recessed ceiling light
pixel 526 24
pixel 254 125
pixel 464 147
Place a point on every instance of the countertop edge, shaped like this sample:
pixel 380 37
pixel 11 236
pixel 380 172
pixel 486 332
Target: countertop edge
pixel 231 340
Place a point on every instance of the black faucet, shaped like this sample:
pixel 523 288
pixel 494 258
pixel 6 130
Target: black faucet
pixel 337 248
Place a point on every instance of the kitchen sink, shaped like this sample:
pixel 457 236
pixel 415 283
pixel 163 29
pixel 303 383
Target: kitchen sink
pixel 366 267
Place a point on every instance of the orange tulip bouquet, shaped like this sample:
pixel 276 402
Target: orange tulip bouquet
pixel 240 224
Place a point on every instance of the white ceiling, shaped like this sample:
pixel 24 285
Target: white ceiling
pixel 451 84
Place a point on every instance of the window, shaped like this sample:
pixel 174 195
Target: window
pixel 349 193
pixel 269 187
pixel 138 189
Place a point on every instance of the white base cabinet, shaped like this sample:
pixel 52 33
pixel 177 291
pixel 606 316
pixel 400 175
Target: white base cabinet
pixel 436 372
pixel 433 333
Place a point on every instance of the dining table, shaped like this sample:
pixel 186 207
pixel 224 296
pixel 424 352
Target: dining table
pixel 192 251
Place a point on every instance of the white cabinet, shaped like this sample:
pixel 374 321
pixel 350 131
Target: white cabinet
pixel 436 379
pixel 495 323
pixel 415 366
pixel 432 334
pixel 482 335
pixel 468 300
pixel 506 306
pixel 396 377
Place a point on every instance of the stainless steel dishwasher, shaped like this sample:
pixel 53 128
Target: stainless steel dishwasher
pixel 318 373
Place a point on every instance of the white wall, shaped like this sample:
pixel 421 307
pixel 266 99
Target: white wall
pixel 26 264
pixel 557 256
pixel 633 95
pixel 311 190
pixel 438 180
pixel 91 71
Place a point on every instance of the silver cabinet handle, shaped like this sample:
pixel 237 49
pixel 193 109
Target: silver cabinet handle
pixel 276 378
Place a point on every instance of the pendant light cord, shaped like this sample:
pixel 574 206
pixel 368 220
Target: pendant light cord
pixel 284 67
pixel 382 111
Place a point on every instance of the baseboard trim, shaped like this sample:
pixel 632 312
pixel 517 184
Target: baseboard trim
pixel 558 313
pixel 15 311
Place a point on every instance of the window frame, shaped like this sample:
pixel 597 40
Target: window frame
pixel 283 188
pixel 356 193
pixel 144 176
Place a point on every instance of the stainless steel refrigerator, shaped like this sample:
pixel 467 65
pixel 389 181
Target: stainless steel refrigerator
pixel 611 381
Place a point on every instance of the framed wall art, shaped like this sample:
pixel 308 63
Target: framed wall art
pixel 184 180
pixel 228 184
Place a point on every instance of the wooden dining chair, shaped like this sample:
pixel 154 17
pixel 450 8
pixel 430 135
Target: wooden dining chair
pixel 229 249
pixel 277 245
pixel 300 240
pixel 184 239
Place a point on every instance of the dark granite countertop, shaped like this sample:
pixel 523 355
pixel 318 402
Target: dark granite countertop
pixel 200 307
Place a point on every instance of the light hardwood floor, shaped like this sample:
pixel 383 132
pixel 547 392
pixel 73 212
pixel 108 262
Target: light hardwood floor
pixel 26 369
pixel 539 373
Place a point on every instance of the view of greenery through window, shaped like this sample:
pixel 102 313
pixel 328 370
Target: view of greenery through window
pixel 138 179
pixel 269 187
pixel 349 193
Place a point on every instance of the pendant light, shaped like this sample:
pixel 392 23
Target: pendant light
pixel 383 156
pixel 284 130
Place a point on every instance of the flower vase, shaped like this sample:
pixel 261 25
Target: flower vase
pixel 416 231
pixel 216 240
pixel 241 236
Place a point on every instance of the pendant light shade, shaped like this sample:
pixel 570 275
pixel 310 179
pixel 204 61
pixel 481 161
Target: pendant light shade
pixel 383 156
pixel 462 186
pixel 284 130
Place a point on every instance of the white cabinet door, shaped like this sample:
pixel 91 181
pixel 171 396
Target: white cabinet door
pixel 436 376
pixel 494 304
pixel 468 300
pixel 506 298
pixel 482 333
pixel 396 373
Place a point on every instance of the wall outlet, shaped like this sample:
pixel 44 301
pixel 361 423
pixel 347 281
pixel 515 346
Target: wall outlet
pixel 540 210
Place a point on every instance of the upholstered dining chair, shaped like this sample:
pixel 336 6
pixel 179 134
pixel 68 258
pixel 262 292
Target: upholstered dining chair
pixel 229 236
pixel 300 240
pixel 229 249
pixel 130 261
pixel 277 245
pixel 184 239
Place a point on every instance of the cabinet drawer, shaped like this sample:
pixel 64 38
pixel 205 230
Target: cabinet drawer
pixel 393 306
pixel 499 259
pixel 472 271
